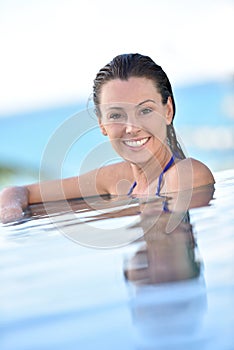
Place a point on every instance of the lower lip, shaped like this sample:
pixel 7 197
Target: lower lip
pixel 138 147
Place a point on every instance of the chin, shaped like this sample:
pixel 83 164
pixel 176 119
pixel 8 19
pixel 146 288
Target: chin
pixel 140 160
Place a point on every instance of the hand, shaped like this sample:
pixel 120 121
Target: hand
pixel 13 201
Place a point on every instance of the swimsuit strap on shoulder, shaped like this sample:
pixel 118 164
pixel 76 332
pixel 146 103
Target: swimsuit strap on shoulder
pixel 169 164
pixel 132 188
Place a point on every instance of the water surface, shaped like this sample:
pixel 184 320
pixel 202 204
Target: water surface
pixel 111 274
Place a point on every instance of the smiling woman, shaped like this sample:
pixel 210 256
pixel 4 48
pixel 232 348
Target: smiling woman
pixel 134 118
pixel 135 108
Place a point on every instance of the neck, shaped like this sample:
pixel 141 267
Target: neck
pixel 146 174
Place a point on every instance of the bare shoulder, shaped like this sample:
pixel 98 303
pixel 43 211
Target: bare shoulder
pixel 188 173
pixel 116 169
pixel 115 178
pixel 202 174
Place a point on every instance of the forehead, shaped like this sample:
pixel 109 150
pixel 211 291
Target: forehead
pixel 134 90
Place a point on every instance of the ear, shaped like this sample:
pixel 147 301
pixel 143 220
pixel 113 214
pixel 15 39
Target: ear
pixel 169 111
pixel 102 128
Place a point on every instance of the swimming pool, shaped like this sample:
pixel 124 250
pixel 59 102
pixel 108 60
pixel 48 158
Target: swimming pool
pixel 111 278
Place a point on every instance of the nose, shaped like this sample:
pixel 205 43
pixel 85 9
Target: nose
pixel 132 127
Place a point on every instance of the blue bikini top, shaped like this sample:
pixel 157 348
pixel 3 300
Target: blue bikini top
pixel 169 164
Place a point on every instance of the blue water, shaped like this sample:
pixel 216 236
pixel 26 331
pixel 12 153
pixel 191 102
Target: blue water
pixel 64 285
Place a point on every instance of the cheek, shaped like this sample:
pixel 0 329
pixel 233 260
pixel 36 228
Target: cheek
pixel 158 129
pixel 114 131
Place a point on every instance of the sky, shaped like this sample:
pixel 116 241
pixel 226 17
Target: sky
pixel 51 50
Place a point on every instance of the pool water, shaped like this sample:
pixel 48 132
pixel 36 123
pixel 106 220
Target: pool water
pixel 108 275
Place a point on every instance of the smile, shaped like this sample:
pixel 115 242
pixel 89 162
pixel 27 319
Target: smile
pixel 136 143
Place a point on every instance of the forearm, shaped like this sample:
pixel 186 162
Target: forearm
pixel 53 190
pixel 14 200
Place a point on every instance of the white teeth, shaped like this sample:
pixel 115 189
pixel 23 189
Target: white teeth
pixel 137 143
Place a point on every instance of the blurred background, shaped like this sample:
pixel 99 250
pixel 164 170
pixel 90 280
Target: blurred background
pixel 51 51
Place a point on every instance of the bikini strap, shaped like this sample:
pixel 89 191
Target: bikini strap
pixel 169 164
pixel 132 188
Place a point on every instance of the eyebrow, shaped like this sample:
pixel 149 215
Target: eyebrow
pixel 139 104
pixel 148 100
pixel 115 107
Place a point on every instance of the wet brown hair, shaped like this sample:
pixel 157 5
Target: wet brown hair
pixel 136 65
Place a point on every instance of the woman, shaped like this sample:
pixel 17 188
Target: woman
pixel 135 108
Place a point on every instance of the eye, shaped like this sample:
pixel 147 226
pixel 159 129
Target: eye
pixel 115 116
pixel 145 110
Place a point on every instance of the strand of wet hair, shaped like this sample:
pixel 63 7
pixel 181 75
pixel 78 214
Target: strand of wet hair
pixel 173 143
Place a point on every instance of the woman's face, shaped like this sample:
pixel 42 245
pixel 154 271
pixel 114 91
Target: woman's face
pixel 134 118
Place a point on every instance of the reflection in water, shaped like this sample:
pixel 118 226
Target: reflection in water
pixel 49 284
pixel 164 276
pixel 165 257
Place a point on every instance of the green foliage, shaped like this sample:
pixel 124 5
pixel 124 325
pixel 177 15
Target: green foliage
pixel 16 175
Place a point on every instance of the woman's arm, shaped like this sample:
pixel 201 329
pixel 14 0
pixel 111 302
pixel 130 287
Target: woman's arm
pixel 105 180
pixel 14 200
